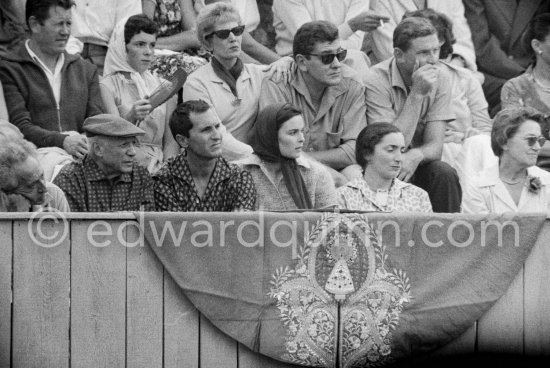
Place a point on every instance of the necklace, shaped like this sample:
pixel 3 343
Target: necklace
pixel 511 182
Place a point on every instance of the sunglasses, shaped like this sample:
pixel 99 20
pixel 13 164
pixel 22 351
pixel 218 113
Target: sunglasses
pixel 532 140
pixel 329 58
pixel 224 33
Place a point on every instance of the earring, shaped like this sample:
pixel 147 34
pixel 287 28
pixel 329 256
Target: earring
pixel 539 52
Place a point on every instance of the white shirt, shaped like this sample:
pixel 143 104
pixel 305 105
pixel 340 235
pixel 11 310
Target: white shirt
pixel 94 20
pixel 248 10
pixel 53 77
pixel 488 194
pixel 289 15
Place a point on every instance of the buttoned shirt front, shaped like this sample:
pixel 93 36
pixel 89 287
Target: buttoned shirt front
pixel 387 94
pixel 229 188
pixel 88 189
pixel 401 197
pixel 339 119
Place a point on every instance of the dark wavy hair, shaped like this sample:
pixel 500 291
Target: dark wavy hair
pixel 443 25
pixel 139 23
pixel 311 33
pixel 180 120
pixel 40 8
pixel 539 29
pixel 507 123
pixel 369 137
pixel 410 29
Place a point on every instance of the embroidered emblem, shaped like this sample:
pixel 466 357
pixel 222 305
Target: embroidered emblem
pixel 340 303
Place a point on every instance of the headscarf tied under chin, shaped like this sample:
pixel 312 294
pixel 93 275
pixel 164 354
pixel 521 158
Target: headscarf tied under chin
pixel 116 60
pixel 266 146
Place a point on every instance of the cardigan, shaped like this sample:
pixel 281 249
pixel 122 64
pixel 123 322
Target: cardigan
pixel 31 103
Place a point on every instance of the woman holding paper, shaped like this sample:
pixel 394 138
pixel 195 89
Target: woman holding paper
pixel 127 85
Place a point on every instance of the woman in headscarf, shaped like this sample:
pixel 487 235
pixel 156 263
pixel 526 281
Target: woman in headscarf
pixel 285 179
pixel 128 84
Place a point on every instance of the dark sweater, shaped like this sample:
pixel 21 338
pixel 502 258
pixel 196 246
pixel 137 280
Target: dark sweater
pixel 31 103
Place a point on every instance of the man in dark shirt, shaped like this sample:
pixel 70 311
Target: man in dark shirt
pixel 199 179
pixel 107 178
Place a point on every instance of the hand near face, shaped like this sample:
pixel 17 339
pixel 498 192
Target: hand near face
pixel 367 21
pixel 76 145
pixel 17 203
pixel 409 163
pixel 424 79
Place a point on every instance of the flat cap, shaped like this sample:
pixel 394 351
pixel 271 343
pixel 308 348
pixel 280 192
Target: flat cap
pixel 111 126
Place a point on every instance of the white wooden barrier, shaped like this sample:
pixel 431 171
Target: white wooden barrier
pixel 77 304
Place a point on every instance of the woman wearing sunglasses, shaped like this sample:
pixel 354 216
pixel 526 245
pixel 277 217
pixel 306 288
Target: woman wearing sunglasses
pixel 284 178
pixel 515 184
pixel 128 83
pixel 226 83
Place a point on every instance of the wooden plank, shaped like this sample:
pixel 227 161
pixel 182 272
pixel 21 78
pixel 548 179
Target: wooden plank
pixel 500 330
pixel 464 344
pixel 41 294
pixel 144 303
pixel 537 296
pixel 250 359
pixel 6 248
pixel 216 348
pixel 181 328
pixel 98 287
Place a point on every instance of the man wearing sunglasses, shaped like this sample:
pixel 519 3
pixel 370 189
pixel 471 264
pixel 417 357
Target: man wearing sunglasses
pixel 412 92
pixel 330 96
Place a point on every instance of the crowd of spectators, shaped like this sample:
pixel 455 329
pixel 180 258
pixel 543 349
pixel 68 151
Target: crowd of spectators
pixel 380 105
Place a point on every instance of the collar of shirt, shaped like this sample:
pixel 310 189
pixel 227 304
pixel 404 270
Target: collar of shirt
pixel 53 77
pixel 93 173
pixel 490 177
pixel 330 94
pixel 256 160
pixel 180 169
pixel 395 76
pixel 394 191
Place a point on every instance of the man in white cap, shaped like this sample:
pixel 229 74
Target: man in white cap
pixel 107 178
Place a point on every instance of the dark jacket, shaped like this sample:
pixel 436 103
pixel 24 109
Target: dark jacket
pixel 31 103
pixel 498 28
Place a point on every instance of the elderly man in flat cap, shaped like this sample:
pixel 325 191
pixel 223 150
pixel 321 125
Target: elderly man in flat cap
pixel 107 178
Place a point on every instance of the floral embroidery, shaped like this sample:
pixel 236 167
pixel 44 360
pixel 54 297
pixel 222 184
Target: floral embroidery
pixel 534 184
pixel 341 282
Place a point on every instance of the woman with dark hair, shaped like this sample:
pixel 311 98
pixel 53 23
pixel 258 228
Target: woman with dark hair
pixel 127 85
pixel 532 88
pixel 284 178
pixel 378 151
pixel 515 184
